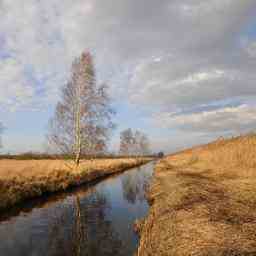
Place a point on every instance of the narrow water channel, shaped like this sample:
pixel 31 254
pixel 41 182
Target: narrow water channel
pixel 93 220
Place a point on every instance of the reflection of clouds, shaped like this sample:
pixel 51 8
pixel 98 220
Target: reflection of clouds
pixel 87 221
pixel 134 185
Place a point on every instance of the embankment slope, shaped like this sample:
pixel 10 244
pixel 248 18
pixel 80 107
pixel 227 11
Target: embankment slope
pixel 203 202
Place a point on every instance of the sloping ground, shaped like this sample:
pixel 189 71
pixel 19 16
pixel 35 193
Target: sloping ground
pixel 203 202
pixel 21 180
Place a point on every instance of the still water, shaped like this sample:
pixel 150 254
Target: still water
pixel 93 220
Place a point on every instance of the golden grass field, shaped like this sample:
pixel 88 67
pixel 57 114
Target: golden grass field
pixel 23 179
pixel 203 202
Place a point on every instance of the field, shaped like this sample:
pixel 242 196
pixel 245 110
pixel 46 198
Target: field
pixel 24 179
pixel 203 202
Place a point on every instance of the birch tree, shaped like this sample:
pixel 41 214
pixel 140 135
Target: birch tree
pixel 1 131
pixel 142 144
pixel 82 119
pixel 126 142
pixel 134 143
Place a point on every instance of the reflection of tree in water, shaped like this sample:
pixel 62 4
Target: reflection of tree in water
pixel 84 230
pixel 135 185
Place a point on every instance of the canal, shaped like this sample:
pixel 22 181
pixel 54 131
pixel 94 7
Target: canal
pixel 92 220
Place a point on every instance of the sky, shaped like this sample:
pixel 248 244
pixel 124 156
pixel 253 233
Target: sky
pixel 183 71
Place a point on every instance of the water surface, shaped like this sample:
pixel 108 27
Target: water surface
pixel 93 220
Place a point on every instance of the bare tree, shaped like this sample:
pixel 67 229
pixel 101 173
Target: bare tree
pixel 126 142
pixel 1 131
pixel 142 144
pixel 82 119
pixel 134 143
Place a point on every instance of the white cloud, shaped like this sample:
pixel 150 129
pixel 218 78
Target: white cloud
pixel 201 77
pixel 16 90
pixel 40 40
pixel 171 83
pixel 164 55
pixel 233 119
pixel 250 48
pixel 44 37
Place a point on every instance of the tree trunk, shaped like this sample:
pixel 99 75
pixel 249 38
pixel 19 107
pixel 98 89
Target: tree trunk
pixel 77 161
pixel 78 130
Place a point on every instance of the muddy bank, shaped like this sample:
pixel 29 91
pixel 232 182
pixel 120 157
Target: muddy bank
pixel 200 206
pixel 22 180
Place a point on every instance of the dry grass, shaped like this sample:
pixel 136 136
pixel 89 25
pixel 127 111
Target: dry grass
pixel 203 202
pixel 23 179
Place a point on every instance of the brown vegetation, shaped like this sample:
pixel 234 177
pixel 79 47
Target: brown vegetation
pixel 20 180
pixel 203 202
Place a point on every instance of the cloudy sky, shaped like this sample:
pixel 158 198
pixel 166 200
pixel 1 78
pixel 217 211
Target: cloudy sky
pixel 182 70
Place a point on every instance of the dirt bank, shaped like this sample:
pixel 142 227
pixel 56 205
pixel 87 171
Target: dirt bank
pixel 21 180
pixel 203 202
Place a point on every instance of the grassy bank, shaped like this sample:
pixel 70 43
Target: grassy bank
pixel 203 202
pixel 24 179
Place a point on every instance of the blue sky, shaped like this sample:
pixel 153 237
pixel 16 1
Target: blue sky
pixel 182 71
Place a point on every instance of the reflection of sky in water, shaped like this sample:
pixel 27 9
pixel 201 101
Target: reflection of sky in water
pixel 107 214
pixel 123 211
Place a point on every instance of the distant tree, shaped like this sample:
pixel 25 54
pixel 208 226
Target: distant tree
pixel 82 119
pixel 1 131
pixel 134 143
pixel 160 154
pixel 127 142
pixel 142 144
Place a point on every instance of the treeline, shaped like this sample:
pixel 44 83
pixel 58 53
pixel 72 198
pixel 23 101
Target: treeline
pixel 37 156
pixel 1 131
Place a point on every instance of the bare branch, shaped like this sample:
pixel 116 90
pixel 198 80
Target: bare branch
pixel 82 120
pixel 134 143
